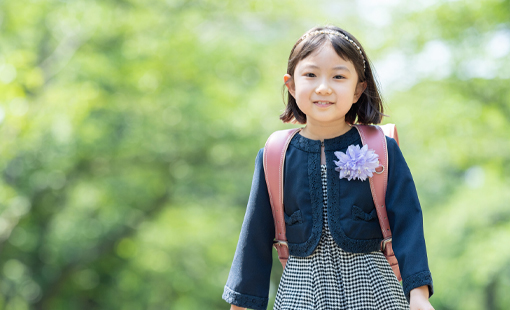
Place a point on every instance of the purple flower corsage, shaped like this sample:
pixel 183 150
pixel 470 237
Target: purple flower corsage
pixel 356 163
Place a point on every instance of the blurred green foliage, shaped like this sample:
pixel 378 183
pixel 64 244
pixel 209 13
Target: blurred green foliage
pixel 129 130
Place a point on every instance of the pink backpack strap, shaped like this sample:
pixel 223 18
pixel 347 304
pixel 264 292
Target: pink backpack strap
pixel 274 160
pixel 373 136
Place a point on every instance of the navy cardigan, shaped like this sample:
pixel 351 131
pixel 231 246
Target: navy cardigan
pixel 351 217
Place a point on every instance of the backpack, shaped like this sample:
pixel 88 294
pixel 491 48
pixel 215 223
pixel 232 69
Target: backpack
pixel 274 159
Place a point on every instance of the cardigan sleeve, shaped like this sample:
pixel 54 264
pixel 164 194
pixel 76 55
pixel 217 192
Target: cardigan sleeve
pixel 248 281
pixel 406 223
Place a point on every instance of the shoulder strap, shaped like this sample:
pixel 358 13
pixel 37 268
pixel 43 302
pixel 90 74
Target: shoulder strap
pixel 373 136
pixel 274 160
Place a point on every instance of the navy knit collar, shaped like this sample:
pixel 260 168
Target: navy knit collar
pixel 334 144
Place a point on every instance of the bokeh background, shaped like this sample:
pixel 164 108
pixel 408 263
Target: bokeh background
pixel 129 129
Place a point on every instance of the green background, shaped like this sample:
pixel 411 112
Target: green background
pixel 129 129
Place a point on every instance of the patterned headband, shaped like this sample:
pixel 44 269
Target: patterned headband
pixel 336 33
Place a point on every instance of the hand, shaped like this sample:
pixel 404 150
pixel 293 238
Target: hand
pixel 420 298
pixel 232 307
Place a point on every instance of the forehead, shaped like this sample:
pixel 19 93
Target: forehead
pixel 325 56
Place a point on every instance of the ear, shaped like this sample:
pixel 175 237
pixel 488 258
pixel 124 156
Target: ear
pixel 360 88
pixel 289 82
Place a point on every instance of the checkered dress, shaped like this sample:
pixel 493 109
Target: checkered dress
pixel 332 279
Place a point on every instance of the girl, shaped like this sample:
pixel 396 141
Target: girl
pixel 332 228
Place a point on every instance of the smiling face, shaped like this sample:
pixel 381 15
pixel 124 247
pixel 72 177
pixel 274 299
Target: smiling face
pixel 325 87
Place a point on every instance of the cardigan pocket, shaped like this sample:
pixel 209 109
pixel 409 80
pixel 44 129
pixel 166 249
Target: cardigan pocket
pixel 360 215
pixel 294 218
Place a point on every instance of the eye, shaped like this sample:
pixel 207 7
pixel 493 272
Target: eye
pixel 309 75
pixel 339 77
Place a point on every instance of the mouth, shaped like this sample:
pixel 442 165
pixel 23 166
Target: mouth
pixel 323 103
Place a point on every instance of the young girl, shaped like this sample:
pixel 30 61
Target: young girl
pixel 332 228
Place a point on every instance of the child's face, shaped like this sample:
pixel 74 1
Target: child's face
pixel 325 86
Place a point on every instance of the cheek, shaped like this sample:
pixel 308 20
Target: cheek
pixel 349 90
pixel 303 87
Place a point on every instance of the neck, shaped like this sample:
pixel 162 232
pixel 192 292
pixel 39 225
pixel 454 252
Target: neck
pixel 321 132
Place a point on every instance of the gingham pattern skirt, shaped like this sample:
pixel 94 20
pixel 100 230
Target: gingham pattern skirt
pixel 331 278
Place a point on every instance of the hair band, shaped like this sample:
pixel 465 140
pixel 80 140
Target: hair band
pixel 336 33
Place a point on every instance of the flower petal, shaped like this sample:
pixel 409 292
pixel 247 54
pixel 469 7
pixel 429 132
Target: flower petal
pixel 356 163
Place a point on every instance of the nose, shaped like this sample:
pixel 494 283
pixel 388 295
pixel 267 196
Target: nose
pixel 323 89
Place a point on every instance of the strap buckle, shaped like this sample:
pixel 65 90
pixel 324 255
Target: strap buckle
pixel 379 172
pixel 277 243
pixel 383 243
